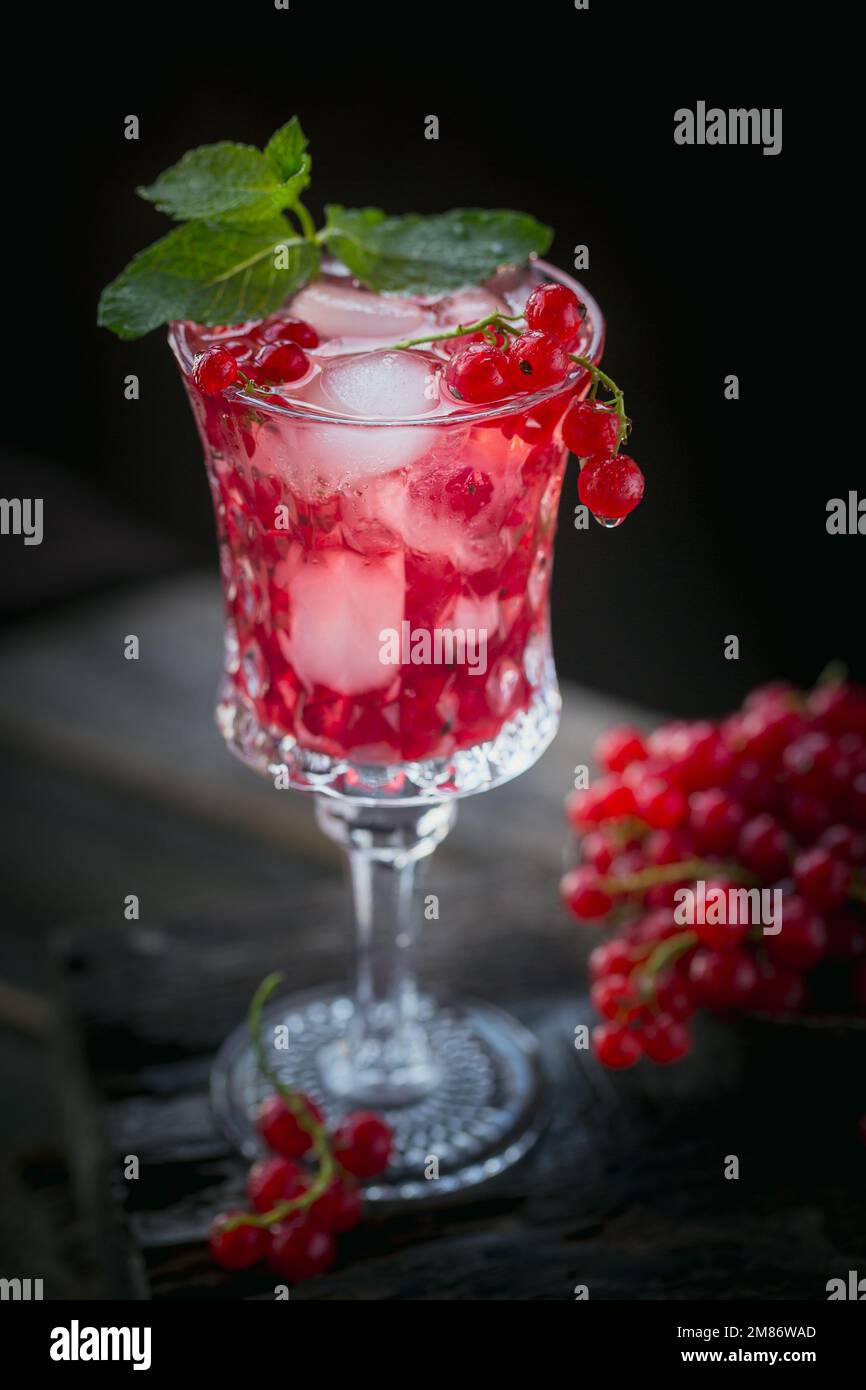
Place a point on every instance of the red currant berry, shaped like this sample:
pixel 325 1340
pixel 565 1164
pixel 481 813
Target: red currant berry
pixel 597 851
pixel 658 803
pixel 300 1249
pixel 802 942
pixel 238 1249
pixel 614 1046
pixel 777 693
pixel 846 843
pixel 839 707
pixel 665 1039
pixel 273 1180
pixel 583 896
pixel 557 311
pixel 725 935
pixel 856 799
pixel 754 787
pixel 215 370
pixel 591 430
pixel 822 878
pixel 723 979
pixel 662 895
pixel 805 814
pixel 612 798
pixel 240 348
pixel 480 373
pixel 610 958
pixel 290 331
pixel 610 488
pixel 675 997
pixel 668 846
pixel 715 820
pixel 620 746
pixel 763 733
pixel 339 1207
pixel 363 1144
pixel 468 492
pixel 540 360
pixel 616 997
pixel 281 363
pixel 280 1127
pixel 762 846
pixel 658 925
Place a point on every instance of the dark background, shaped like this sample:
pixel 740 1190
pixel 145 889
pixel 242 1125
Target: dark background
pixel 706 261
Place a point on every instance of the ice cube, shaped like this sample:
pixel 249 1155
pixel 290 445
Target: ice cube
pixel 367 386
pixel 310 454
pixel 340 311
pixel 477 615
pixel 468 306
pixel 381 385
pixel 341 602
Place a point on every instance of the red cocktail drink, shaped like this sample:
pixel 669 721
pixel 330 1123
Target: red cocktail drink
pixel 386 548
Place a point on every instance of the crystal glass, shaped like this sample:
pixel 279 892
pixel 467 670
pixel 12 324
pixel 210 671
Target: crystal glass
pixel 387 649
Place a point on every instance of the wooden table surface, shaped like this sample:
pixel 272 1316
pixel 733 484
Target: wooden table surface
pixel 118 770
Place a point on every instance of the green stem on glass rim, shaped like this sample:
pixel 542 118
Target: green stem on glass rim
pixel 321 1147
pixel 505 324
pixel 503 321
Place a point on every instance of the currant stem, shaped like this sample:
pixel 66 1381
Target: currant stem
pixel 687 869
pixel 666 951
pixel 302 1112
pixel 618 403
pixel 502 321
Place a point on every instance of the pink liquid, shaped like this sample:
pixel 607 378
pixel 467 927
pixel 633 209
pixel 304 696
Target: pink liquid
pixel 333 532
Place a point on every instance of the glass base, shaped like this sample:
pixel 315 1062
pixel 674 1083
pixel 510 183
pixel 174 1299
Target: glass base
pixel 519 743
pixel 479 1114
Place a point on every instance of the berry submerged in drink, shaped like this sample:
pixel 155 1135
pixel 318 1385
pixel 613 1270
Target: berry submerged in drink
pixel 386 546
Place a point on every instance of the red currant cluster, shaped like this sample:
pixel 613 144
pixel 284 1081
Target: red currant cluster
pixel 773 796
pixel 491 364
pixel 297 1210
pixel 297 1213
pixel 272 353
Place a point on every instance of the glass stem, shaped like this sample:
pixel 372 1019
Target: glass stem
pixel 385 1056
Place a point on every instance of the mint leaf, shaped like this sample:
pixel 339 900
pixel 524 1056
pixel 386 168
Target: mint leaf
pixel 427 255
pixel 212 272
pixel 226 180
pixel 286 154
pixel 231 182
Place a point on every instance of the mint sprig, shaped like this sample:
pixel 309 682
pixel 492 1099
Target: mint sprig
pixel 247 242
pixel 426 255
